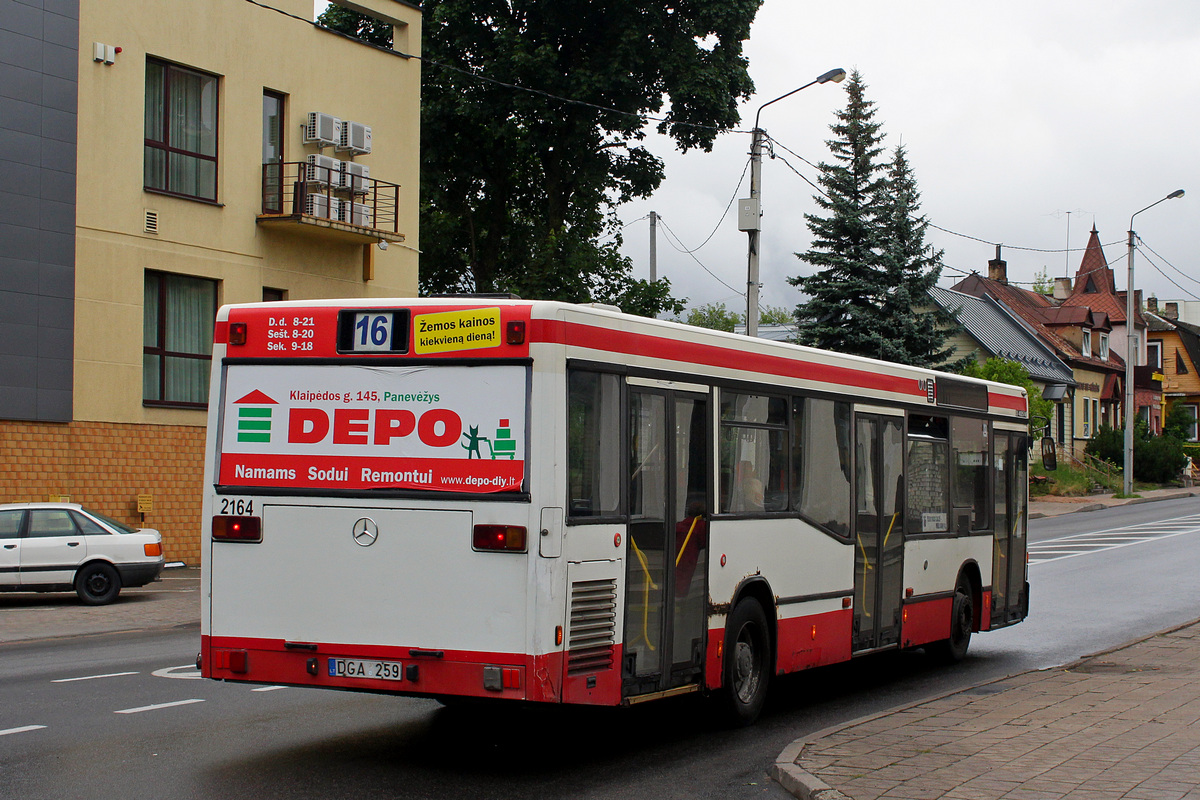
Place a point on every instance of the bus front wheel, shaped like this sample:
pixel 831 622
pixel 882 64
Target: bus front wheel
pixel 747 665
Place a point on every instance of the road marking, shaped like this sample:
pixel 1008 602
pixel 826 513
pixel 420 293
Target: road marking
pixel 1093 541
pixel 24 729
pixel 157 706
pixel 192 673
pixel 267 688
pixel 93 677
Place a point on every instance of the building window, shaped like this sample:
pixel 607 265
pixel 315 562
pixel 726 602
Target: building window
pixel 1086 347
pixel 181 131
pixel 274 295
pixel 1104 347
pixel 1154 355
pixel 272 152
pixel 177 324
pixel 1180 364
pixel 1192 433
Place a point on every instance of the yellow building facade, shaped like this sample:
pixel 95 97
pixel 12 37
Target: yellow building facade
pixel 193 188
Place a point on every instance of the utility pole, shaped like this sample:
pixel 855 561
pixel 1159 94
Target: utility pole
pixel 750 210
pixel 653 246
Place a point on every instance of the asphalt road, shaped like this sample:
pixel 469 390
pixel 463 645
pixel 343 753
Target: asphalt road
pixel 164 733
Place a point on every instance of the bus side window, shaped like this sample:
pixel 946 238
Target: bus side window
pixel 594 444
pixel 928 475
pixel 824 475
pixel 754 469
pixel 969 438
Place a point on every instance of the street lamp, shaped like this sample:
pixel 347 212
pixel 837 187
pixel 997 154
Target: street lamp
pixel 749 213
pixel 1131 350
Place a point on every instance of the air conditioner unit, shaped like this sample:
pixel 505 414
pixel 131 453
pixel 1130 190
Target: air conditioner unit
pixel 323 129
pixel 357 214
pixel 323 170
pixel 355 177
pixel 323 206
pixel 356 137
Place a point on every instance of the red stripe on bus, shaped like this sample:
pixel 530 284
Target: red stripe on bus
pixel 927 621
pixel 1006 401
pixel 627 343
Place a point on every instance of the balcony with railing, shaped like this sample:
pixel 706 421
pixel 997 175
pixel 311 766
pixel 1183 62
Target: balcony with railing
pixel 338 199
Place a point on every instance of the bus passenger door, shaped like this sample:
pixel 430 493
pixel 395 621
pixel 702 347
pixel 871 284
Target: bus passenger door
pixel 1009 547
pixel 879 531
pixel 667 548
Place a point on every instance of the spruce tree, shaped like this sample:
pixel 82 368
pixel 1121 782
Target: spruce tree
pixel 846 290
pixel 914 328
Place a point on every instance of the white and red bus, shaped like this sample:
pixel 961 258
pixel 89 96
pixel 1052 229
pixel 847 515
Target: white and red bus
pixel 566 504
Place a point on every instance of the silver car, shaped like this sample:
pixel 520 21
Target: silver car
pixel 57 547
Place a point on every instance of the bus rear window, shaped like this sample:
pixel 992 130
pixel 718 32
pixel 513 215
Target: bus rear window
pixel 362 428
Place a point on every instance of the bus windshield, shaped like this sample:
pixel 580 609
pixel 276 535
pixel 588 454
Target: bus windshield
pixel 367 427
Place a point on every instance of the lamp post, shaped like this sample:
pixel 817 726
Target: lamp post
pixel 749 211
pixel 1131 349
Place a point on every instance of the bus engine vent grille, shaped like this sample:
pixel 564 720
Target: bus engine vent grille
pixel 593 626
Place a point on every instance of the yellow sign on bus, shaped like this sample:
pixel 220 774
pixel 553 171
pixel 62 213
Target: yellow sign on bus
pixel 445 332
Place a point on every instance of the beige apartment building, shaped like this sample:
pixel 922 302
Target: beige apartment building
pixel 160 159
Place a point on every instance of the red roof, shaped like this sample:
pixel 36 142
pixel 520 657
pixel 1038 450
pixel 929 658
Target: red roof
pixel 1095 286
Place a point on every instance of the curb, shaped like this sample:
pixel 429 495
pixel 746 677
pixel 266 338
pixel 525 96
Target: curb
pixel 806 786
pixel 1134 501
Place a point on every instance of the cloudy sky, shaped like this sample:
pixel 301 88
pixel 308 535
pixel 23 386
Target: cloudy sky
pixel 1022 120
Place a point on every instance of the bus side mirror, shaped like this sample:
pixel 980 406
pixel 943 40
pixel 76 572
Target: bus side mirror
pixel 1049 454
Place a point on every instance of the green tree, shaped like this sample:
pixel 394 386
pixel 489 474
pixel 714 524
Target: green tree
pixel 842 312
pixel 518 189
pixel 360 26
pixel 715 316
pixel 1003 370
pixel 913 330
pixel 1178 422
pixel 1042 283
pixel 776 315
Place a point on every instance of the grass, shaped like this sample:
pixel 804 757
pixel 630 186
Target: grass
pixel 1069 481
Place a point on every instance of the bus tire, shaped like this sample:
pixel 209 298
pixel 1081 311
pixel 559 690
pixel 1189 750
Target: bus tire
pixel 747 664
pixel 962 619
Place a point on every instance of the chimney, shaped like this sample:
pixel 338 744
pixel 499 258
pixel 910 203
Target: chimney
pixel 1172 311
pixel 998 268
pixel 1152 304
pixel 1062 288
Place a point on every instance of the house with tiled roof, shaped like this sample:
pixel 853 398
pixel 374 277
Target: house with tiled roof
pixel 988 329
pixel 1079 337
pixel 1094 287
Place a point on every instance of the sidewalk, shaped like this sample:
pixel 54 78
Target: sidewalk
pixel 1123 724
pixel 1050 506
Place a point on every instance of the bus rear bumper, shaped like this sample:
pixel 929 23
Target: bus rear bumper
pixel 405 670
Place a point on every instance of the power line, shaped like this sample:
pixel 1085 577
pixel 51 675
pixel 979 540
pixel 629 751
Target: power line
pixel 724 213
pixel 1168 263
pixel 1173 282
pixel 691 254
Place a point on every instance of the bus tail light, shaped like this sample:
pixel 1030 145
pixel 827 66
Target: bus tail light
pixel 152 550
pixel 237 529
pixel 499 537
pixel 237 333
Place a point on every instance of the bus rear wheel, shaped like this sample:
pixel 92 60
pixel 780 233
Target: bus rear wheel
pixel 962 619
pixel 747 666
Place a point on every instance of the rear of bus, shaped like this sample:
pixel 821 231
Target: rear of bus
pixel 367 523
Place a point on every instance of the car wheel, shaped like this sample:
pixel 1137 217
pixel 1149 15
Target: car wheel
pixel 747 668
pixel 962 619
pixel 97 584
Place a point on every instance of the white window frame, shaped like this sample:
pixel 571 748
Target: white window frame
pixel 1193 434
pixel 1086 346
pixel 1104 347
pixel 1154 354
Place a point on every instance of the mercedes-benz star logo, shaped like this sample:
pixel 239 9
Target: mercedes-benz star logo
pixel 365 532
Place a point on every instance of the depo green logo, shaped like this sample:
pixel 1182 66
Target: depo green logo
pixel 254 417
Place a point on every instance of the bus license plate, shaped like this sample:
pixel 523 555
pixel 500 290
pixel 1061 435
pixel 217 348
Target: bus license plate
pixel 356 668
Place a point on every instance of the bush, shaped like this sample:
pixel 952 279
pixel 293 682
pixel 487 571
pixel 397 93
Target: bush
pixel 1108 445
pixel 1158 459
